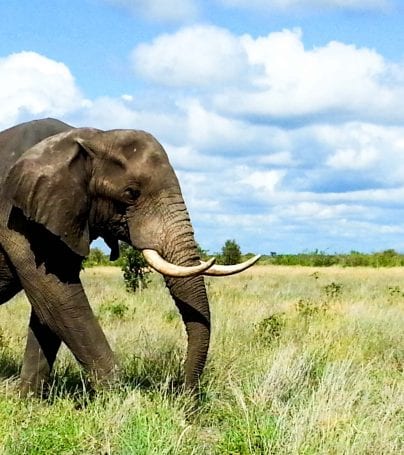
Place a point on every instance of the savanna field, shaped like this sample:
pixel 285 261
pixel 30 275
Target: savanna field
pixel 303 361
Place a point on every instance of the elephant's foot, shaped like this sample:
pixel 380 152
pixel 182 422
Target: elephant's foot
pixel 101 380
pixel 34 386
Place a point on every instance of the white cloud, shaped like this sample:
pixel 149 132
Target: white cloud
pixel 283 158
pixel 127 98
pixel 336 79
pixel 211 132
pixel 284 5
pixel 353 159
pixel 376 149
pixel 123 112
pixel 32 85
pixel 267 181
pixel 160 10
pixel 107 113
pixel 275 76
pixel 190 159
pixel 203 56
pixel 311 210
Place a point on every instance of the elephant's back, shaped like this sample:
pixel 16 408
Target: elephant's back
pixel 16 140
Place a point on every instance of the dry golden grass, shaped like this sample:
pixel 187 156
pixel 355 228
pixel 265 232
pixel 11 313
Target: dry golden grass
pixel 302 360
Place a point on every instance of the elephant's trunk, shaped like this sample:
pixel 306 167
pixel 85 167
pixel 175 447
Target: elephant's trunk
pixel 190 297
pixel 188 293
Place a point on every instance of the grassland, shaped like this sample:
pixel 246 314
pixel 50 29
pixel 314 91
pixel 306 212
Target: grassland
pixel 302 361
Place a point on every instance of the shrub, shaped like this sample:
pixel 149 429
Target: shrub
pixel 333 290
pixel 113 309
pixel 95 258
pixel 231 253
pixel 135 268
pixel 270 328
pixel 307 307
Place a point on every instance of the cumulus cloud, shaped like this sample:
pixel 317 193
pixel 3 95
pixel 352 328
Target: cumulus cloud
pixel 336 79
pixel 362 147
pixel 34 85
pixel 264 180
pixel 214 133
pixel 160 10
pixel 275 76
pixel 188 158
pixel 202 56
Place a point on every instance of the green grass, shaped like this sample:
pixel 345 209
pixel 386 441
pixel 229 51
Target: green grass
pixel 302 361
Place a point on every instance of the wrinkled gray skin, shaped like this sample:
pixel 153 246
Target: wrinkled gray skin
pixel 71 186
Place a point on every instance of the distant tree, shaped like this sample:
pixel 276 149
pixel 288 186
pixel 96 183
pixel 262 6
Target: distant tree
pixel 203 254
pixel 231 253
pixel 135 268
pixel 95 258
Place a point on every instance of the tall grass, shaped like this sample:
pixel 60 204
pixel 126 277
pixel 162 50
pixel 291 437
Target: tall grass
pixel 302 361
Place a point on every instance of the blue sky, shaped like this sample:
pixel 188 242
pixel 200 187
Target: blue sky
pixel 283 119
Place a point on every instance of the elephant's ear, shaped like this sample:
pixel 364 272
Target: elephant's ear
pixel 49 183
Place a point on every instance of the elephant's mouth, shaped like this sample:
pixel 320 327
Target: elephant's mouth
pixel 208 268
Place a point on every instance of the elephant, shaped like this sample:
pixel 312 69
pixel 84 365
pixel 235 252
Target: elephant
pixel 62 187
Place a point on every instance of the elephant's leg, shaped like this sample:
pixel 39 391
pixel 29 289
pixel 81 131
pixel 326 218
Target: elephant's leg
pixel 40 354
pixel 63 313
pixel 58 300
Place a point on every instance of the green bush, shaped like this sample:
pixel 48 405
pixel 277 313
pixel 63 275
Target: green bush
pixel 270 328
pixel 135 268
pixel 333 290
pixel 113 309
pixel 231 253
pixel 95 258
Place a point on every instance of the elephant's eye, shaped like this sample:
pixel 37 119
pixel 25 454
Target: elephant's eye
pixel 132 193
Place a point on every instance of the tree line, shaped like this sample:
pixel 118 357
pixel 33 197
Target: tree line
pixel 132 261
pixel 229 254
pixel 386 258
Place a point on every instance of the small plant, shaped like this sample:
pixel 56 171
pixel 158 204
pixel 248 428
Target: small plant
pixel 308 307
pixel 333 290
pixel 116 310
pixel 395 293
pixel 270 328
pixel 171 315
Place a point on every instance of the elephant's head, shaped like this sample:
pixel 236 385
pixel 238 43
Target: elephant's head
pixel 119 185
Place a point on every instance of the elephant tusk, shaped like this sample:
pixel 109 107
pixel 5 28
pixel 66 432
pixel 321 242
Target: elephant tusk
pixel 167 268
pixel 224 270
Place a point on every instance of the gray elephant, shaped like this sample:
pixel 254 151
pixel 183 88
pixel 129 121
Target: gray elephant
pixel 60 188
